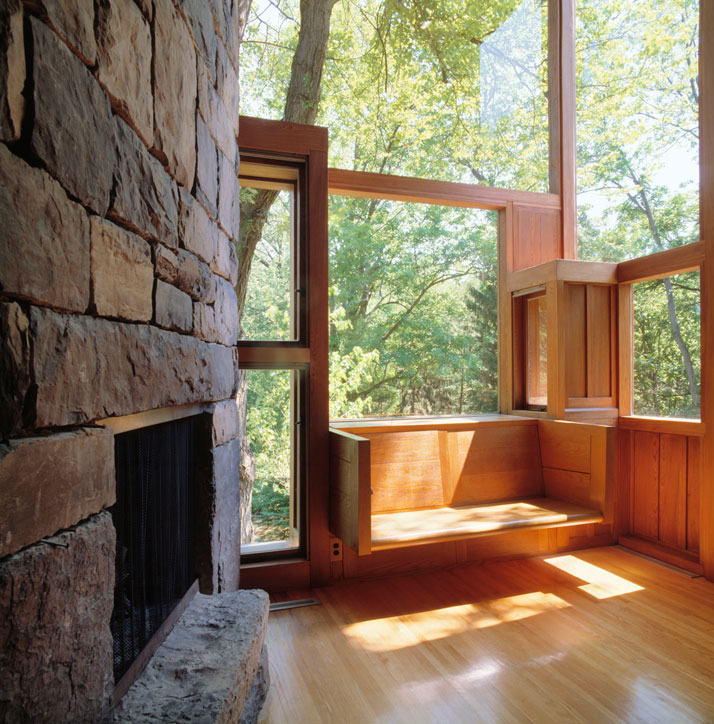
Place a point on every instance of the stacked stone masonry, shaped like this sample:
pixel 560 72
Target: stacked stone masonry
pixel 119 212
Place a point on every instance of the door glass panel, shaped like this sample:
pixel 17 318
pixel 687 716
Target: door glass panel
pixel 272 460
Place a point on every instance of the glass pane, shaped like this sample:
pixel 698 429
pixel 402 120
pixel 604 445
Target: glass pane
pixel 455 91
pixel 269 311
pixel 667 357
pixel 637 127
pixel 270 432
pixel 413 309
pixel 537 351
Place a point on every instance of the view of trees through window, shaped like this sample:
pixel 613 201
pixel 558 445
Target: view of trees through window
pixel 413 309
pixel 268 312
pixel 270 426
pixel 456 90
pixel 667 356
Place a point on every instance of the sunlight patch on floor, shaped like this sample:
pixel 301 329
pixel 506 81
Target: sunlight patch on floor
pixel 396 632
pixel 599 582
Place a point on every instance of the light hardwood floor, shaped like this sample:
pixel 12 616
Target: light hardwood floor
pixel 601 635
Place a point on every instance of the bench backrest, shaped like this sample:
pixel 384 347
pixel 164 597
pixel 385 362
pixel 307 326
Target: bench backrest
pixel 413 470
pixel 418 469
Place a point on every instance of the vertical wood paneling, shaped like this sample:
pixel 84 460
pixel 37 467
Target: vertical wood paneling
pixel 673 490
pixel 694 461
pixel 576 370
pixel 536 236
pixel 623 487
pixel 659 482
pixel 645 484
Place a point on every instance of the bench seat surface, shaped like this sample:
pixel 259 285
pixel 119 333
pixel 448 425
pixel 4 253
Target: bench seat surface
pixel 393 530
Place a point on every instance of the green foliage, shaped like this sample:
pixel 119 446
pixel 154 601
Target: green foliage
pixel 662 388
pixel 269 429
pixel 267 314
pixel 271 510
pixel 445 89
pixel 402 339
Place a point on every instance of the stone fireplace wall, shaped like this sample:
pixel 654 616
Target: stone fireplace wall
pixel 119 210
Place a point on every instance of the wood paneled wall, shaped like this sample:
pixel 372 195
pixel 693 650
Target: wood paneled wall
pixel 536 236
pixel 660 477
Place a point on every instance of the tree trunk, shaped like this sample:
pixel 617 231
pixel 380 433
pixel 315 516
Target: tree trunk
pixel 247 463
pixel 301 106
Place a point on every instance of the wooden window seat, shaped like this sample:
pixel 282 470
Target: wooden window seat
pixel 403 483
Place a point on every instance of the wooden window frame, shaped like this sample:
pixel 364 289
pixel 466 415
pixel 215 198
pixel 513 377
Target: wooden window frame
pixel 679 260
pixel 273 142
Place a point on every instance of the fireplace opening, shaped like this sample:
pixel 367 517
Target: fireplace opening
pixel 155 521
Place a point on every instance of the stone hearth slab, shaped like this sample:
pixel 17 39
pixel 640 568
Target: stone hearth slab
pixel 210 667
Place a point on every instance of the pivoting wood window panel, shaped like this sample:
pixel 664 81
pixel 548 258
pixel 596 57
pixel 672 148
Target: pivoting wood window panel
pixel 530 351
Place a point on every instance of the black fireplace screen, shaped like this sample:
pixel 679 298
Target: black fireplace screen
pixel 155 469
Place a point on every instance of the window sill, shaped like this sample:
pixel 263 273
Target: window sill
pixel 669 425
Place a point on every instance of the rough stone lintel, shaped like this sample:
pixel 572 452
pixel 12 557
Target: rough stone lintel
pixel 86 369
pixel 205 669
pixel 51 483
